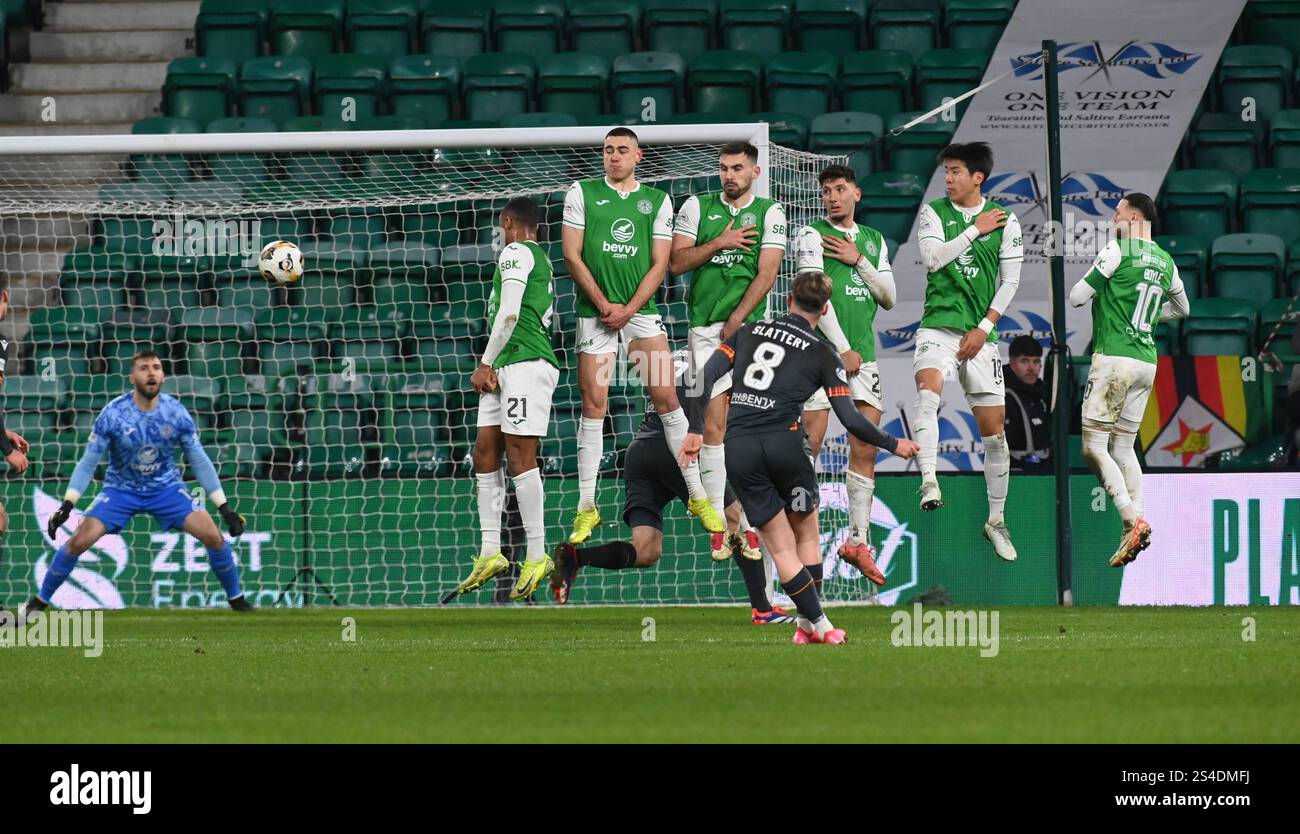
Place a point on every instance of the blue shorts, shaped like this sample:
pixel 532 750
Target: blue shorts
pixel 169 507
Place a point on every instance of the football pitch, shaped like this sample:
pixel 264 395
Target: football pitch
pixel 544 674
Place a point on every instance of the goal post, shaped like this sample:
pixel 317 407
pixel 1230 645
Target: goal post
pixel 338 409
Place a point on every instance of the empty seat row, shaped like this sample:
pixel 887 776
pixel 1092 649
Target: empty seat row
pixel 1209 202
pixel 243 29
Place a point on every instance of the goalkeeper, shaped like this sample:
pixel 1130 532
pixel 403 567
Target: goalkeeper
pixel 140 432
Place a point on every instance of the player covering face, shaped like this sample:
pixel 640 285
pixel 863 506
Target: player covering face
pixel 1127 286
pixel 777 366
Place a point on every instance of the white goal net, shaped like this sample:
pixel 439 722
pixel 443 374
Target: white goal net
pixel 338 410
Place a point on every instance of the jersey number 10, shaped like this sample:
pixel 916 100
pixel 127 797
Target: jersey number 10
pixel 1147 309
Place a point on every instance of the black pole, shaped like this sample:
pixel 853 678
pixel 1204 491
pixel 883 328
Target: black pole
pixel 1060 350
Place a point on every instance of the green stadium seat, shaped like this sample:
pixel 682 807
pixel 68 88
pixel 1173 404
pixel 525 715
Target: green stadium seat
pixel 391 122
pixel 308 28
pixel 788 129
pixel 976 24
pixel 498 85
pixel 447 355
pixel 1168 337
pixel 242 124
pixel 426 86
pixel 247 294
pixel 911 26
pixel 131 234
pixel 1284 138
pixel 130 330
pixel 162 168
pixel 1293 268
pixel 845 133
pixel 572 82
pixel 432 225
pixel 199 88
pixel 208 192
pixel 947 73
pixel 275 87
pixel 830 27
pixel 914 151
pixel 1273 22
pixel 607 28
pixel 1192 257
pixel 328 257
pixel 65 324
pixel 685 27
pixel 889 202
pixel 360 78
pixel 289 338
pixel 724 82
pixel 199 393
pixel 231 29
pixel 754 25
pixel 801 83
pixel 647 75
pixel 1199 201
pixel 386 28
pixel 1248 266
pixel 359 228
pixel 529 27
pixel 406 263
pixel 455 28
pixel 38 392
pixel 172 291
pixel 1278 320
pixel 370 337
pixel 876 81
pixel 1263 73
pixel 1220 327
pixel 1224 141
pixel 1270 202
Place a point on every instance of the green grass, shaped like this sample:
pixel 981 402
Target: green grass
pixel 546 674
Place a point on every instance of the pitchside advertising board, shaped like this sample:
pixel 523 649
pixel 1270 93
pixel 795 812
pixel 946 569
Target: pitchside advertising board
pixel 1219 540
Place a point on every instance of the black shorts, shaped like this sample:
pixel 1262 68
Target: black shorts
pixel 770 472
pixel 653 480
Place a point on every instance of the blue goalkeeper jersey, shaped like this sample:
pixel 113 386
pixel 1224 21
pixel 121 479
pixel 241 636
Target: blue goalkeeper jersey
pixel 142 445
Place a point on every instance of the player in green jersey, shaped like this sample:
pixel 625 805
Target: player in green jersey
pixel 972 249
pixel 617 236
pixel 516 381
pixel 856 260
pixel 732 243
pixel 1128 286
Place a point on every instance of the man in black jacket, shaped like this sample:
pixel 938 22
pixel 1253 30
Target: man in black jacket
pixel 1028 415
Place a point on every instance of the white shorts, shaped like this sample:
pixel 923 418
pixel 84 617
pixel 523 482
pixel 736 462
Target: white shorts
pixel 864 387
pixel 525 390
pixel 594 337
pixel 1117 392
pixel 980 377
pixel 702 342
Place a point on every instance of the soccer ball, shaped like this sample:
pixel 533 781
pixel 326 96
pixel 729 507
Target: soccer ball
pixel 281 262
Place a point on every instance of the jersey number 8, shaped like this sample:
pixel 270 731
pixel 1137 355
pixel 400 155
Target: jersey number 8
pixel 762 368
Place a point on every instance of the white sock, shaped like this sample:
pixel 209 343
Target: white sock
pixel 713 474
pixel 1096 452
pixel 1121 451
pixel 675 427
pixel 860 490
pixel 491 495
pixel 769 568
pixel 591 446
pixel 822 626
pixel 743 525
pixel 997 473
pixel 532 509
pixel 803 623
pixel 925 431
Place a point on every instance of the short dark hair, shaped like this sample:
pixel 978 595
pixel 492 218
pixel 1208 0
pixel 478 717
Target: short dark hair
pixel 1144 205
pixel 524 210
pixel 976 156
pixel 146 353
pixel 811 291
pixel 732 148
pixel 837 172
pixel 1025 345
pixel 624 131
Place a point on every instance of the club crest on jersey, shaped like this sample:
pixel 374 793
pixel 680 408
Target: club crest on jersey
pixel 871 248
pixel 167 431
pixel 748 219
pixel 644 207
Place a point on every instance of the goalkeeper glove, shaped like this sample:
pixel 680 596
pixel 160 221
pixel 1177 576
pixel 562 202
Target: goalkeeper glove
pixel 60 516
pixel 234 521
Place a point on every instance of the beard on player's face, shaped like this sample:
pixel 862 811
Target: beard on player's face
pixel 148 387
